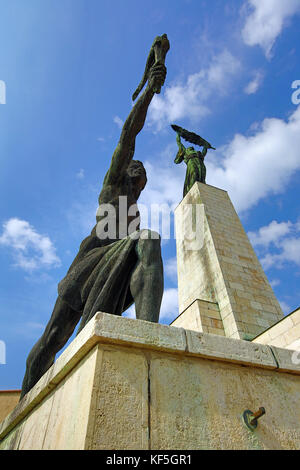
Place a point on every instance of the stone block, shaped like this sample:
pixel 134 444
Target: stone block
pixel 288 360
pixel 296 317
pixel 228 349
pixel 119 411
pixel 146 334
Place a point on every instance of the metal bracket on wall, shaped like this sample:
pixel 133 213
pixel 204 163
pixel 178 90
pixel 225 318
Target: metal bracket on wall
pixel 250 418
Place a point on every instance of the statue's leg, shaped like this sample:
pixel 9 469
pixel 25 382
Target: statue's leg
pixel 147 281
pixel 57 332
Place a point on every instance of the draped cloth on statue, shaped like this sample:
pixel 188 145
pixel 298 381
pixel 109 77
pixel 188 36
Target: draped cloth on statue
pixel 99 277
pixel 196 170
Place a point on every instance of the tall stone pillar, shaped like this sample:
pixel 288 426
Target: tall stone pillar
pixel 221 284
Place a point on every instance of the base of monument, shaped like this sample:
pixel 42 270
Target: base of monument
pixel 131 384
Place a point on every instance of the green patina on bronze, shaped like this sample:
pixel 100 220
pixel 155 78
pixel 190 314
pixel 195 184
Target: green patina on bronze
pixel 194 160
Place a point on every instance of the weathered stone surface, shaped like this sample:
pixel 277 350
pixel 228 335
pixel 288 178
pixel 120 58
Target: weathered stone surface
pixel 34 428
pixel 143 333
pixel 228 349
pixel 198 404
pixel 12 440
pixel 129 391
pixel 68 419
pixel 284 334
pixel 178 405
pixel 118 417
pixel 201 316
pixel 288 360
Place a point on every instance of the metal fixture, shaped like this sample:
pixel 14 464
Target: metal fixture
pixel 250 418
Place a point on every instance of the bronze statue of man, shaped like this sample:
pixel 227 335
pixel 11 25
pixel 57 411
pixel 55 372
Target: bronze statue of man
pixel 109 274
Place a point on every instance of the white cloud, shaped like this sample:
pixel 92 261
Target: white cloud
pixel 266 20
pixel 170 268
pixel 271 233
pixel 256 166
pixel 192 98
pixel 290 251
pixel 255 83
pixel 165 186
pixel 278 244
pixel 274 283
pixel 30 249
pixel 118 121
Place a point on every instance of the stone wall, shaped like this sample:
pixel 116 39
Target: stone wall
pixel 130 384
pixel 201 316
pixel 285 333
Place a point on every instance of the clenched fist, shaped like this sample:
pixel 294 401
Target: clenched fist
pixel 157 77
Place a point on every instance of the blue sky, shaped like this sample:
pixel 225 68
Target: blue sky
pixel 70 68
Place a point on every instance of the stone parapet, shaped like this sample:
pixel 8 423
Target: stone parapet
pixel 284 334
pixel 131 384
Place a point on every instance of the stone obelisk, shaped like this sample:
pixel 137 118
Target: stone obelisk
pixel 221 284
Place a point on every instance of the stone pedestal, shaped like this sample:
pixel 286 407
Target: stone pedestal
pixel 220 267
pixel 130 384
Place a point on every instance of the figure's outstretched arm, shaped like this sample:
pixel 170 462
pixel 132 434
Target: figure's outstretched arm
pixel 124 151
pixel 181 152
pixel 149 64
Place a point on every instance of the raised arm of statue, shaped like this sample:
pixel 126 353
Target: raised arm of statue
pixel 181 152
pixel 156 75
pixel 156 56
pixel 124 151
